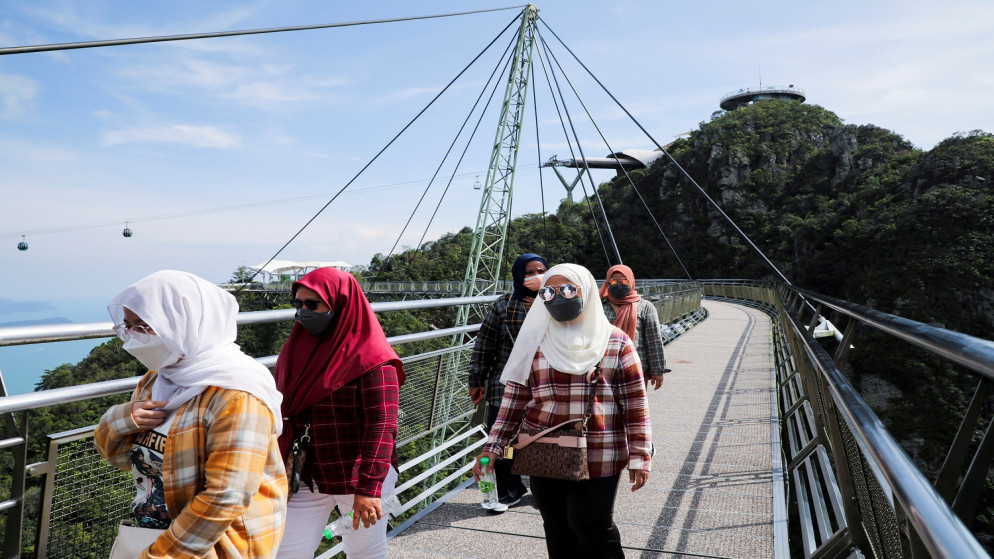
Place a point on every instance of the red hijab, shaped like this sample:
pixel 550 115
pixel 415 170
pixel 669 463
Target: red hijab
pixel 309 367
pixel 626 308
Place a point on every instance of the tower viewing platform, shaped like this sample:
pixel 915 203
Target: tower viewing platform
pixel 742 97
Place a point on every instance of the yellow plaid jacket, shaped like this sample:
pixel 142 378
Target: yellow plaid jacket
pixel 224 480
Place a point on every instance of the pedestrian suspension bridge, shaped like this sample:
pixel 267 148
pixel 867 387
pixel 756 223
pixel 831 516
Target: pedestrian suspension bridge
pixel 763 447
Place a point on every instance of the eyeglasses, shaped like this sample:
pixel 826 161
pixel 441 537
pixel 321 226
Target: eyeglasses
pixel 137 332
pixel 622 281
pixel 567 290
pixel 311 304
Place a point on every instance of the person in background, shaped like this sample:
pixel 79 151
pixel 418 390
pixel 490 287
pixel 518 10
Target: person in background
pixel 493 345
pixel 565 351
pixel 200 431
pixel 638 318
pixel 339 374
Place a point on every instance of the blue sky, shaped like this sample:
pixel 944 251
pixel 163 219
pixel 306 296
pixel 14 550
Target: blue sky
pixel 92 138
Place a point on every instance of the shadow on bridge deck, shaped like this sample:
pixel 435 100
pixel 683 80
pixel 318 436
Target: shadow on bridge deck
pixel 711 491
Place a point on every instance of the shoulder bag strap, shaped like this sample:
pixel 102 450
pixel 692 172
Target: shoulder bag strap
pixel 525 440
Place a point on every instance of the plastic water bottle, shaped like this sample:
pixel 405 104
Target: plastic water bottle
pixel 488 486
pixel 389 506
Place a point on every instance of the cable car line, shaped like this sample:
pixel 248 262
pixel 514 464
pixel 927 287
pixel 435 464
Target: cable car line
pixel 672 160
pixel 613 153
pixel 382 150
pixel 191 36
pixel 219 209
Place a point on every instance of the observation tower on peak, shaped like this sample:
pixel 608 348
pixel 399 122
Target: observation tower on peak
pixel 742 97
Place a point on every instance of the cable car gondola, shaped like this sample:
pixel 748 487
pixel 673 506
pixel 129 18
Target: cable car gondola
pixel 23 245
pixel 127 230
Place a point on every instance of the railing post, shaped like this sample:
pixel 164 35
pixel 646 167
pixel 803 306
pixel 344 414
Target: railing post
pixel 15 513
pixel 945 484
pixel 814 320
pixel 842 352
pixel 965 504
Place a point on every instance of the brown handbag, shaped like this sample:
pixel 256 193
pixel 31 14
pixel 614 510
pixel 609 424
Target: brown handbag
pixel 558 452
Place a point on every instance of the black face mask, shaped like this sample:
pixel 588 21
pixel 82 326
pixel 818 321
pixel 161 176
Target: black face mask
pixel 562 309
pixel 619 291
pixel 315 322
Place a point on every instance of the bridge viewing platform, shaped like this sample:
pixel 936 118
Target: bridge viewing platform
pixel 742 97
pixel 716 483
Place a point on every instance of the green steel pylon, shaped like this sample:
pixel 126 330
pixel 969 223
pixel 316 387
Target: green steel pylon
pixel 487 251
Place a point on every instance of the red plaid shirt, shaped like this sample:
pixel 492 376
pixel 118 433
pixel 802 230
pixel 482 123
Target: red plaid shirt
pixel 618 431
pixel 354 435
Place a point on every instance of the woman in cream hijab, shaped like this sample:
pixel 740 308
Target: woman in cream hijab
pixel 566 349
pixel 199 434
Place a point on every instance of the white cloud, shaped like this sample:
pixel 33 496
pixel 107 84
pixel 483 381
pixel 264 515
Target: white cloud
pixel 17 94
pixel 179 134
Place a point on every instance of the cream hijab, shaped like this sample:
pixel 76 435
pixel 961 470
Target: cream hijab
pixel 196 320
pixel 572 347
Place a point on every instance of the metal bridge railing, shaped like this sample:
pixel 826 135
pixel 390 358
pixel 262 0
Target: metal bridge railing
pixel 855 486
pixel 83 497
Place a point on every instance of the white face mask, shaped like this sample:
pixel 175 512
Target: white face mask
pixel 153 354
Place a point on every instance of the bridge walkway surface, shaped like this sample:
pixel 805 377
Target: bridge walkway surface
pixel 711 491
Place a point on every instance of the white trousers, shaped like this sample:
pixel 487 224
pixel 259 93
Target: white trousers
pixel 307 515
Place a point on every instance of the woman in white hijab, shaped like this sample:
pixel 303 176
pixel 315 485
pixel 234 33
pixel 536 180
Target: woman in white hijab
pixel 199 434
pixel 567 348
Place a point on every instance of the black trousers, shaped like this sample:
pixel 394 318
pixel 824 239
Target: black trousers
pixel 578 517
pixel 508 484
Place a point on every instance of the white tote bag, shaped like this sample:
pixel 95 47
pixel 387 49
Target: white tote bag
pixel 132 540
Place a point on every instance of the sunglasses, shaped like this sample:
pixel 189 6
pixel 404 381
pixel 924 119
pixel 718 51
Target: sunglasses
pixel 567 290
pixel 621 281
pixel 138 332
pixel 311 304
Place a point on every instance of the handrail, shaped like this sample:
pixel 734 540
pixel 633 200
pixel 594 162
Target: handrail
pixel 54 396
pixel 943 534
pixel 23 335
pixel 974 353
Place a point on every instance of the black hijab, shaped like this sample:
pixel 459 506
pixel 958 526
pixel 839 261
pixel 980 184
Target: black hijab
pixel 518 275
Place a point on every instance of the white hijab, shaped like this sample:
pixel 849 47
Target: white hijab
pixel 196 320
pixel 572 347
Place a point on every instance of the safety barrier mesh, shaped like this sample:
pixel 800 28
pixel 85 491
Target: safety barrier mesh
pixel 89 499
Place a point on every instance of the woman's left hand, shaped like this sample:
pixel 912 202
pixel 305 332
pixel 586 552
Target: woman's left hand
pixel 365 510
pixel 639 478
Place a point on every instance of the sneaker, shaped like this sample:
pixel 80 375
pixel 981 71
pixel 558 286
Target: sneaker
pixel 501 508
pixel 510 500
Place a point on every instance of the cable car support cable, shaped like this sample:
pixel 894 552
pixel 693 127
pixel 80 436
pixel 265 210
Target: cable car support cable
pixel 192 36
pixel 569 144
pixel 620 166
pixel 452 145
pixel 382 150
pixel 672 160
pixel 579 148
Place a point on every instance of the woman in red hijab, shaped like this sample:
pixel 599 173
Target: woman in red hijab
pixel 627 310
pixel 340 381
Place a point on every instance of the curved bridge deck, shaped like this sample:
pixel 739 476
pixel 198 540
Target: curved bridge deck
pixel 715 485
